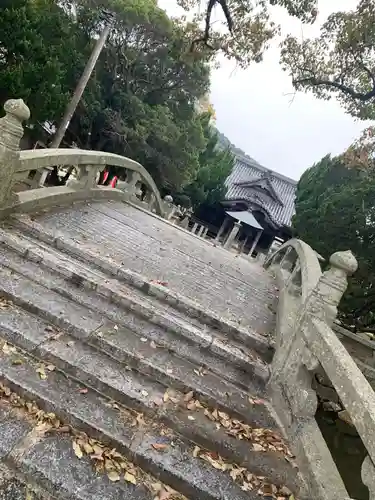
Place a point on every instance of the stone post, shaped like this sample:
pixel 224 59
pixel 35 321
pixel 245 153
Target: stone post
pixel 232 235
pixel 133 178
pixel 243 244
pixel 255 242
pixel 11 132
pixel 222 229
pixel 331 286
pixel 200 232
pixel 194 228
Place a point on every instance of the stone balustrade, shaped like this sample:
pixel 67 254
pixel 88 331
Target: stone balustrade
pixel 31 168
pixel 305 342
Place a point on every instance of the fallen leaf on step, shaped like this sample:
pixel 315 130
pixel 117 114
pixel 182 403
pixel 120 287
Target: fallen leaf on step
pixel 196 451
pixel 51 368
pixel 191 405
pixel 143 339
pixel 159 446
pixel 8 349
pixel 115 328
pixel 113 476
pixel 17 362
pixel 41 371
pixel 169 371
pixel 166 397
pixel 258 447
pixel 164 494
pixel 77 450
pixel 190 417
pixel 189 396
pixel 144 393
pixel 130 478
pixel 84 390
pixel 156 487
pixel 153 345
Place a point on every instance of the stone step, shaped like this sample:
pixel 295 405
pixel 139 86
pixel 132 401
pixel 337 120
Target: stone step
pixel 113 424
pixel 202 347
pixel 40 467
pixel 193 309
pixel 108 347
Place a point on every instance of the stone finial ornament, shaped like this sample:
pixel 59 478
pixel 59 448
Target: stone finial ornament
pixel 11 129
pixel 11 132
pixel 344 261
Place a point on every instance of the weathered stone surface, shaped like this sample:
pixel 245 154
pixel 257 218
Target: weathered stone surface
pixel 92 413
pixel 53 465
pixel 247 370
pixel 194 478
pixel 131 346
pixel 12 430
pixel 188 264
pixel 40 300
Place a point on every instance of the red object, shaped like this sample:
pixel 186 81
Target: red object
pixel 105 176
pixel 114 181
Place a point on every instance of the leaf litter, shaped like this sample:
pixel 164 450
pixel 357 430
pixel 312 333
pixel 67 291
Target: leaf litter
pixel 105 460
pixel 261 439
pixel 245 479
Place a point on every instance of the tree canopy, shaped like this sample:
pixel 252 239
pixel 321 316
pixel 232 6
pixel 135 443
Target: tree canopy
pixel 335 210
pixel 340 62
pixel 215 164
pixel 140 101
pixel 248 27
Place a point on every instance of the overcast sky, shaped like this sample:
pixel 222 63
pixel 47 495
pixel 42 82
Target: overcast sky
pixel 255 113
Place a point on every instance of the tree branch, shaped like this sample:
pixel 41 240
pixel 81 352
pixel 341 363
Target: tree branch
pixel 363 97
pixel 206 35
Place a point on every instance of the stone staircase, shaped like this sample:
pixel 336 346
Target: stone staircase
pixel 116 387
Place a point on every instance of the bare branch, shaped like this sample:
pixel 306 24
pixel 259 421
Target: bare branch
pixel 361 96
pixel 206 36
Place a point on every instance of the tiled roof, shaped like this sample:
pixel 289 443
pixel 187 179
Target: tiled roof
pixel 247 170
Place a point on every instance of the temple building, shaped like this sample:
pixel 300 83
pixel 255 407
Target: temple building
pixel 258 209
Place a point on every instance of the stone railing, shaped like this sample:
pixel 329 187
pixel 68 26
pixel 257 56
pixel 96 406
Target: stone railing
pixel 305 344
pixel 31 168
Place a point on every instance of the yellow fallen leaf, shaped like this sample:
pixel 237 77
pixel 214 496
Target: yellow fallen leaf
pixel 159 446
pixel 29 495
pixel 113 476
pixel 17 362
pixel 41 372
pixel 166 397
pixel 77 449
pixel 8 349
pixel 130 478
pixel 88 448
pixel 196 451
pixel 189 396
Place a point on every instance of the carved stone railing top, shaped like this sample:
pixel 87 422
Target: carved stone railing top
pixel 17 166
pixel 298 257
pixel 306 344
